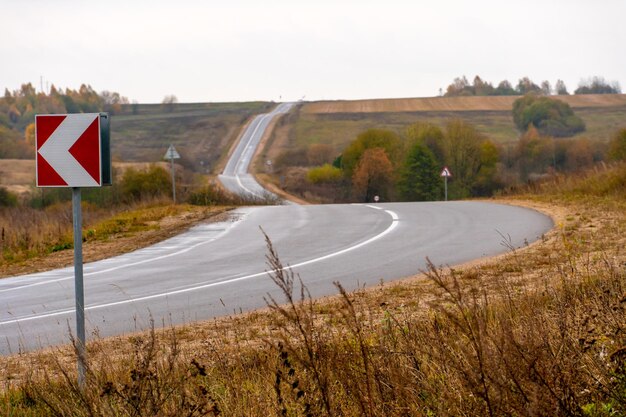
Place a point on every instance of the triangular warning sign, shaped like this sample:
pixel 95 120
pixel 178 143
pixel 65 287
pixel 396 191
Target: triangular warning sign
pixel 171 153
pixel 446 172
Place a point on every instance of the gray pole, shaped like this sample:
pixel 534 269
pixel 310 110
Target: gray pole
pixel 78 285
pixel 445 184
pixel 173 178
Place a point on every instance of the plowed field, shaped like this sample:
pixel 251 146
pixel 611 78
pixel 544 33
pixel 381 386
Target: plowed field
pixel 492 103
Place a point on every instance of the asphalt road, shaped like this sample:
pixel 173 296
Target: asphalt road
pixel 217 269
pixel 235 176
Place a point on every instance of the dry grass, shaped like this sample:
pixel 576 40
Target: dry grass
pixel 33 240
pixel 540 332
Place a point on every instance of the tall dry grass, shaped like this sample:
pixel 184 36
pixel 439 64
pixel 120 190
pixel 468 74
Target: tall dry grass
pixel 540 332
pixel 27 233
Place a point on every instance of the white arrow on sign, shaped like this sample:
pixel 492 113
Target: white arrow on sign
pixel 56 150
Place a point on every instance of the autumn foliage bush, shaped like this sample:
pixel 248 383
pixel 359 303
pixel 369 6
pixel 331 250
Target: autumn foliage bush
pixel 138 184
pixel 324 174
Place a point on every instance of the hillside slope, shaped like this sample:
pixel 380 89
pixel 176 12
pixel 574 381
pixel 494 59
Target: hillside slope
pixel 201 132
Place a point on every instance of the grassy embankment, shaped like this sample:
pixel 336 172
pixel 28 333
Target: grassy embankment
pixel 201 132
pixel 539 331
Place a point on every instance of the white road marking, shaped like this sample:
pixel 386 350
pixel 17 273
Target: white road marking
pixel 247 151
pixel 247 147
pixel 246 188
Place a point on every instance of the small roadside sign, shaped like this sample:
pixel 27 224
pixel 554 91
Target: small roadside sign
pixel 445 173
pixel 171 153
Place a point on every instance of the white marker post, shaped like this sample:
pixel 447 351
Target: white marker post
pixel 171 154
pixel 445 174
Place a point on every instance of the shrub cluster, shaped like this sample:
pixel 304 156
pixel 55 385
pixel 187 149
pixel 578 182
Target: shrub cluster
pixel 139 184
pixel 324 174
pixel 7 198
pixel 550 116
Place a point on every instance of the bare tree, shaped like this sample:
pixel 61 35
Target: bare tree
pixel 169 103
pixel 560 88
pixel 598 85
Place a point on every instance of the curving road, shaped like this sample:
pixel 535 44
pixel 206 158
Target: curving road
pixel 216 269
pixel 219 268
pixel 235 176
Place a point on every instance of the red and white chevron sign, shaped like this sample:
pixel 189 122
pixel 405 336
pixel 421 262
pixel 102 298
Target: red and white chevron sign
pixel 68 150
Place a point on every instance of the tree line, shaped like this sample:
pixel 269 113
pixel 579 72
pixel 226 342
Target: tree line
pixel 19 107
pixel 462 87
pixel 406 165
pixel 18 110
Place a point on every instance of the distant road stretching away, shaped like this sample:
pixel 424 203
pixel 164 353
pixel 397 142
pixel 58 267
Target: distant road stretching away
pixel 235 176
pixel 216 269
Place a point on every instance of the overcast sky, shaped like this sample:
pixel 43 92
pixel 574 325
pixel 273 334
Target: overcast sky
pixel 238 50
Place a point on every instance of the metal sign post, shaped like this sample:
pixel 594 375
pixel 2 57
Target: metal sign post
pixel 78 284
pixel 173 180
pixel 445 174
pixel 171 154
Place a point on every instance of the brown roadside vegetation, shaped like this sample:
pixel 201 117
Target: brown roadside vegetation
pixel 18 175
pixel 140 226
pixel 540 331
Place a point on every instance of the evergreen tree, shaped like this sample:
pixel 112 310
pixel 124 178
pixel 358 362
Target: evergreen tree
pixel 419 179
